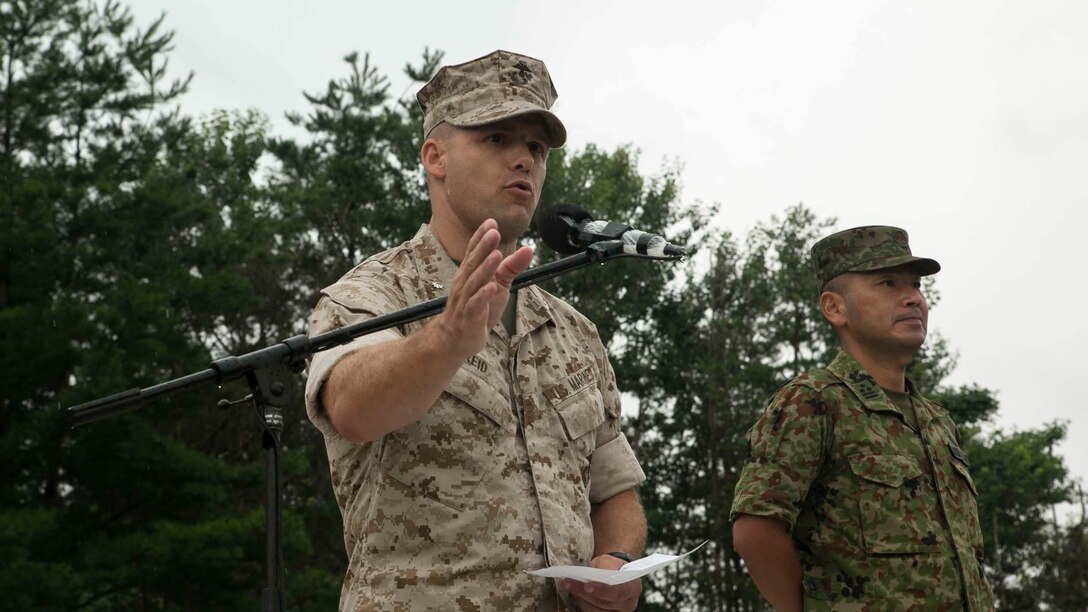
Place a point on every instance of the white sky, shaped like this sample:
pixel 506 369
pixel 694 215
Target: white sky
pixel 964 122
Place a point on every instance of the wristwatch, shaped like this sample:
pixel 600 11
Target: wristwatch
pixel 621 555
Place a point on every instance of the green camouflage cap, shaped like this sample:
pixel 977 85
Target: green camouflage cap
pixel 865 249
pixel 491 88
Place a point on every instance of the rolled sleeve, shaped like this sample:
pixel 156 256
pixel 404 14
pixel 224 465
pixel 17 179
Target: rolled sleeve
pixel 363 295
pixel 321 366
pixel 613 469
pixel 786 448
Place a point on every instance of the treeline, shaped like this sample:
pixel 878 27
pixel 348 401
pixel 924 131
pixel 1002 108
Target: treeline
pixel 139 243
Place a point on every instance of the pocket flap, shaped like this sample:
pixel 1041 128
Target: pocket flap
pixel 582 412
pixel 473 390
pixel 578 402
pixel 959 454
pixel 888 470
pixel 960 465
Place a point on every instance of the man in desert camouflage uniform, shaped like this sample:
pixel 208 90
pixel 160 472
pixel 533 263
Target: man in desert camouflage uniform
pixel 485 442
pixel 856 494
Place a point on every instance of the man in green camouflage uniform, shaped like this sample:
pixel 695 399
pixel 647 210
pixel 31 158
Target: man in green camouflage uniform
pixel 484 442
pixel 856 493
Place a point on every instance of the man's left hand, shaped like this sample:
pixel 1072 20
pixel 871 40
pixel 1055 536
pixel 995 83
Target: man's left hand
pixel 595 596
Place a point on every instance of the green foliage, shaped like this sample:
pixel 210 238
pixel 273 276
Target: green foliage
pixel 1019 480
pixel 1060 580
pixel 356 187
pixel 128 257
pixel 968 405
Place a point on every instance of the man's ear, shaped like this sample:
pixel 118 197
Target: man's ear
pixel 833 307
pixel 433 155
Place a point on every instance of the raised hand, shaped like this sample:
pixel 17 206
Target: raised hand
pixel 480 291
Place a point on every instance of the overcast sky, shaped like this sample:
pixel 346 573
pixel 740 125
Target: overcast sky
pixel 964 122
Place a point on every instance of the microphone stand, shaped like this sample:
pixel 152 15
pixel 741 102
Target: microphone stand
pixel 266 371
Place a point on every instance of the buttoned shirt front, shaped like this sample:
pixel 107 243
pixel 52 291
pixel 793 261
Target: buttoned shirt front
pixel 498 476
pixel 884 516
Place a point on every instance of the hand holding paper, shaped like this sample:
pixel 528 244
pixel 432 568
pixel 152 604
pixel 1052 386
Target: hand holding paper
pixel 629 571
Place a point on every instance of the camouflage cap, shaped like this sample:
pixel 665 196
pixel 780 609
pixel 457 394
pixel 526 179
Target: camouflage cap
pixel 491 88
pixel 865 249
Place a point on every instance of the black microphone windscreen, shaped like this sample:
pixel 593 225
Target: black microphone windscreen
pixel 555 231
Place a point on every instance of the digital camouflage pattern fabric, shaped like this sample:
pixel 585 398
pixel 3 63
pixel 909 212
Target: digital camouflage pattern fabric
pixel 491 88
pixel 884 517
pixel 498 477
pixel 866 249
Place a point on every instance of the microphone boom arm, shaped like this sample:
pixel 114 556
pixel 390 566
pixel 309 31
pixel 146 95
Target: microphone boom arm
pixel 294 351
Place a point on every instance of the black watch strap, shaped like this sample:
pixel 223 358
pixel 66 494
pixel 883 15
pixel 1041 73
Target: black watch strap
pixel 621 555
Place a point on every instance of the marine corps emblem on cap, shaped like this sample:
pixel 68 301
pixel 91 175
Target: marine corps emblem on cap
pixel 491 88
pixel 865 249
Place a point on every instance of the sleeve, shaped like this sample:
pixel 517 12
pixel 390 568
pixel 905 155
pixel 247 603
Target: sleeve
pixel 349 301
pixel 613 466
pixel 787 447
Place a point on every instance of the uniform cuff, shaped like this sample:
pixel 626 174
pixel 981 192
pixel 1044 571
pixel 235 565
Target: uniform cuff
pixel 755 496
pixel 613 469
pixel 321 366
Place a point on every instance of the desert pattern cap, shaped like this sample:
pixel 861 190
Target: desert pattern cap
pixel 497 86
pixel 865 249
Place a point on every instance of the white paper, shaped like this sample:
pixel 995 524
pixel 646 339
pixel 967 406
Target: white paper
pixel 630 571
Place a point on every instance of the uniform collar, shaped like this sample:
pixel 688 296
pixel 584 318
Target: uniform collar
pixel 864 386
pixel 436 269
pixel 533 310
pixel 434 266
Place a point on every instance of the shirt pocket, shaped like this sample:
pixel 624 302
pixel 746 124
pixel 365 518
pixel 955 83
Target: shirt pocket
pixel 581 414
pixel 445 455
pixel 894 498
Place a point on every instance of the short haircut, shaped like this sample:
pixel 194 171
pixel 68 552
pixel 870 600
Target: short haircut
pixel 837 285
pixel 441 132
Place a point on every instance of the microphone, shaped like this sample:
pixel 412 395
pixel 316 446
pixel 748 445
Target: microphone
pixel 568 229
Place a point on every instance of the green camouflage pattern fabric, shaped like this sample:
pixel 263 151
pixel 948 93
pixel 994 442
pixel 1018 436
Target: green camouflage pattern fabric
pixel 883 516
pixel 866 249
pixel 497 86
pixel 498 477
